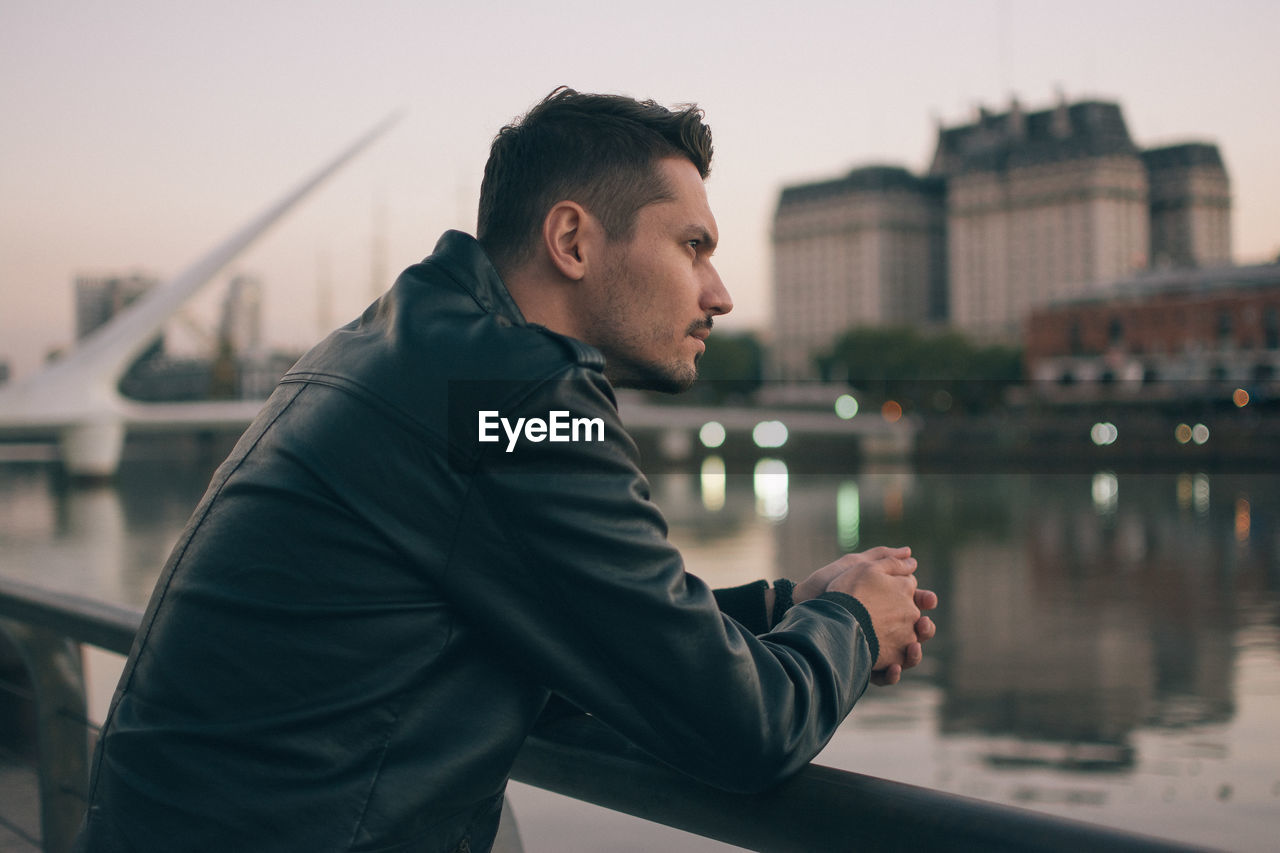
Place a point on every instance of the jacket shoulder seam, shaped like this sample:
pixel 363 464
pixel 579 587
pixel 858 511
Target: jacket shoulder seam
pixel 359 391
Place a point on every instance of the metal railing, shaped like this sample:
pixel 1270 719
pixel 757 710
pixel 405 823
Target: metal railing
pixel 819 809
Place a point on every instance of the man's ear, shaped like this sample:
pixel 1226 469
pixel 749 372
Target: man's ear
pixel 568 235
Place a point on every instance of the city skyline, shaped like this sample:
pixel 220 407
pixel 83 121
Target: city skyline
pixel 148 133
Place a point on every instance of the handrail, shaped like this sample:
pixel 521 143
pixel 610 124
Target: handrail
pixel 84 620
pixel 818 809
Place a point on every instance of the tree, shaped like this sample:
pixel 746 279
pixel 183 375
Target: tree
pixel 732 366
pixel 930 372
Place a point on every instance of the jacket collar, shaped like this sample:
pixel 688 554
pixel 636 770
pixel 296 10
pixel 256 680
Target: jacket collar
pixel 466 262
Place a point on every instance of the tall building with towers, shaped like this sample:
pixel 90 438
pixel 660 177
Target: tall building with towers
pixel 1190 199
pixel 865 249
pixel 1018 210
pixel 1041 206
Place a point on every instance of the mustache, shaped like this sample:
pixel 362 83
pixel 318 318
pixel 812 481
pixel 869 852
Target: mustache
pixel 698 325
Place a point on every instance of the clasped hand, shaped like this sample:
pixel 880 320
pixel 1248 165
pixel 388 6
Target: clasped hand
pixel 883 579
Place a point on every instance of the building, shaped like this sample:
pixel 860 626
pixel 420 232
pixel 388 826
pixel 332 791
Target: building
pixel 237 364
pixel 866 249
pixel 1041 206
pixel 1190 200
pixel 240 326
pixel 1167 332
pixel 99 298
pixel 1018 210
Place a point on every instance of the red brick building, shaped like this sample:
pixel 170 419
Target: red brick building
pixel 1215 325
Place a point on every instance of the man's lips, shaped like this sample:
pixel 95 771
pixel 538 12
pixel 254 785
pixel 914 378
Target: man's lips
pixel 700 329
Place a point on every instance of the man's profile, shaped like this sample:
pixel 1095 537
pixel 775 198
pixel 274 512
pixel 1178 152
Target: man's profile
pixel 375 601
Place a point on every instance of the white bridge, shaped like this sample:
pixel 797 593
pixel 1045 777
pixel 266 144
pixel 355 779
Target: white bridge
pixel 74 400
pixel 680 426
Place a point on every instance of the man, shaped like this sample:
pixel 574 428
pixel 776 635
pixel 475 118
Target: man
pixel 395 570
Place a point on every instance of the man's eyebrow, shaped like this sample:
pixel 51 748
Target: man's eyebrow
pixel 701 234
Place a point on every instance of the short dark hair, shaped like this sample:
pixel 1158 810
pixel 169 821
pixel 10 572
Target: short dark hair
pixel 598 150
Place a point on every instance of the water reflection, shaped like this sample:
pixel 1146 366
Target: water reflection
pixel 1106 492
pixel 1106 642
pixel 713 483
pixel 105 541
pixel 771 487
pixel 848 515
pixel 1091 651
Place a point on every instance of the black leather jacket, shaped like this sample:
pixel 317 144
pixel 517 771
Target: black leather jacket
pixel 369 608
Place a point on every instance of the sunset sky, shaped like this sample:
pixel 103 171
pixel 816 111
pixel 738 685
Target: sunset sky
pixel 137 135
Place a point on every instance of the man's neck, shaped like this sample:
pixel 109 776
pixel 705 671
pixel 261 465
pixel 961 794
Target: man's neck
pixel 544 300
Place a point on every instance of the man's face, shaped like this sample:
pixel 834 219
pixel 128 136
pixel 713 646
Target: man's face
pixel 659 290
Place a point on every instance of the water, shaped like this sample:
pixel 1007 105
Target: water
pixel 1108 645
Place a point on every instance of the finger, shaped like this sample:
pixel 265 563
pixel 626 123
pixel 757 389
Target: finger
pixel 913 656
pixel 925 629
pixel 926 599
pixel 899 565
pixel 881 552
pixel 888 676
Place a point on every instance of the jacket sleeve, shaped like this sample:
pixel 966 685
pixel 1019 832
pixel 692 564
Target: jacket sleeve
pixel 563 559
pixel 746 604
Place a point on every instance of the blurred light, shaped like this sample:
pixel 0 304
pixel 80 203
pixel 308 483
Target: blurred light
pixel 1200 493
pixel 846 406
pixel 1104 434
pixel 1240 397
pixel 891 411
pixel 1106 491
pixel 942 401
pixel 713 483
pixel 770 482
pixel 848 516
pixel 770 434
pixel 1242 520
pixel 1184 485
pixel 675 444
pixel 712 434
pixel 1199 433
pixel 893 503
pixel 1182 433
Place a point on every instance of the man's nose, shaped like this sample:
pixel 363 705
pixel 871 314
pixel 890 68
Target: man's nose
pixel 715 296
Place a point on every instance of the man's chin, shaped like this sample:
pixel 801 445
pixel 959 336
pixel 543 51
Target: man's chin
pixel 649 378
pixel 663 384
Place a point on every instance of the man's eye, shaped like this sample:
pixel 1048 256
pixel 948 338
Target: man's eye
pixel 694 244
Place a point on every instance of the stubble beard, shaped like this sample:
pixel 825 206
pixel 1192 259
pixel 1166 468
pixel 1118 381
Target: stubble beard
pixel 624 367
pixel 674 377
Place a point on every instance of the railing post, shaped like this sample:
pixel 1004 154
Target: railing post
pixel 57 680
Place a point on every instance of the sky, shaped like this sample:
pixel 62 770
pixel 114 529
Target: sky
pixel 136 135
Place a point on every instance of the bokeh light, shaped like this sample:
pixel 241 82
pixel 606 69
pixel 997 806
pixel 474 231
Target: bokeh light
pixel 769 434
pixel 1104 434
pixel 712 434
